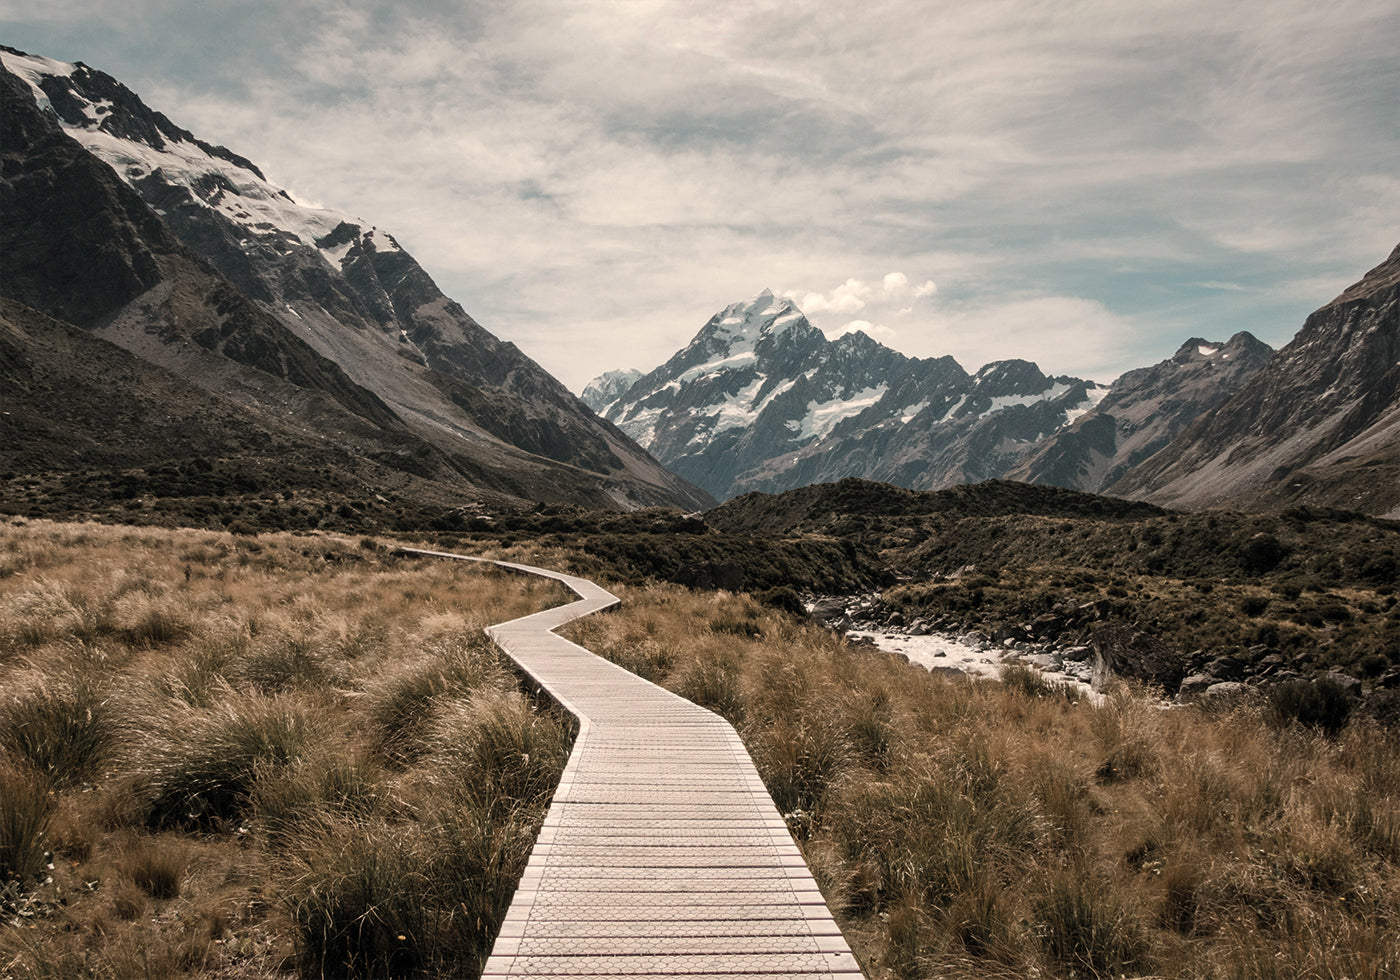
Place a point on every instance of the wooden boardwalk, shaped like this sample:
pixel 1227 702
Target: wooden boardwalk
pixel 662 854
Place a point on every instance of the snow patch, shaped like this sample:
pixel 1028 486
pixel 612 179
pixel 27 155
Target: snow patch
pixel 1206 351
pixel 1095 394
pixel 822 417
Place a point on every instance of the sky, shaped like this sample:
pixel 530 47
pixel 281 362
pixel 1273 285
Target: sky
pixel 1082 183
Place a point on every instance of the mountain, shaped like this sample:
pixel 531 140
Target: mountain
pixel 605 389
pixel 1318 425
pixel 762 400
pixel 1144 410
pixel 182 253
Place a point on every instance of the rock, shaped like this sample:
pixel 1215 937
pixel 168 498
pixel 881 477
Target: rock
pixel 1005 633
pixel 1193 686
pixel 830 608
pixel 1047 626
pixel 1046 661
pixel 1226 694
pixel 1225 669
pixel 919 628
pixel 1346 682
pixel 1124 651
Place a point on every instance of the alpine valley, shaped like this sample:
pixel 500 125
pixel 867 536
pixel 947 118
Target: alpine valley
pixel 174 326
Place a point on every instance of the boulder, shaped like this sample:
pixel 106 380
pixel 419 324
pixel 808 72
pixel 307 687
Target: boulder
pixel 1194 686
pixel 1127 652
pixel 1226 694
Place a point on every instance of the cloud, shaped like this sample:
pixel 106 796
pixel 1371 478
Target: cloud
pixel 595 179
pixel 849 297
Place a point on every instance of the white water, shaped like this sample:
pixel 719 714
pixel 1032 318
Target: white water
pixel 937 651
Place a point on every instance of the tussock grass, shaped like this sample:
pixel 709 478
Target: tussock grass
pixel 203 741
pixel 963 828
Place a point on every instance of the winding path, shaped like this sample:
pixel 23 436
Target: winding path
pixel 662 854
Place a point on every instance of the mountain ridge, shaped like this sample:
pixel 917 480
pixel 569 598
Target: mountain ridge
pixel 1318 425
pixel 745 407
pixel 193 260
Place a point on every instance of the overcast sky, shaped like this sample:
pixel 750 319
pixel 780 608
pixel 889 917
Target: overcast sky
pixel 1083 183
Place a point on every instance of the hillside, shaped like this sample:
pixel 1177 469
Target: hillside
pixel 125 225
pixel 1319 425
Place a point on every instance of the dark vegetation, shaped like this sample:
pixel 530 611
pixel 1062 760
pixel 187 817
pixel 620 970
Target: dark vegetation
pixel 1314 589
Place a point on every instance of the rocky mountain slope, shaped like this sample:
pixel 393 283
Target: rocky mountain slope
pixel 1318 425
pixel 122 223
pixel 1144 410
pixel 762 400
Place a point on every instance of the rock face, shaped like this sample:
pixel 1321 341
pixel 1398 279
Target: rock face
pixel 1318 425
pixel 762 400
pixel 1144 410
pixel 122 223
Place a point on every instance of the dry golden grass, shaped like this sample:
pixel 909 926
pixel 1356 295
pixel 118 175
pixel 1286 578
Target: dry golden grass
pixel 974 829
pixel 203 741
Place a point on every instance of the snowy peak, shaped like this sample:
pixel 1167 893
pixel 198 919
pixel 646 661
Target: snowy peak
pixel 1242 345
pixel 742 328
pixel 603 390
pixel 762 400
pixel 145 148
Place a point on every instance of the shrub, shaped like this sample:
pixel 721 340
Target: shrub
pixel 402 707
pixel 1322 704
pixel 157 868
pixel 65 729
pixel 1254 605
pixel 1083 923
pixel 494 751
pixel 358 908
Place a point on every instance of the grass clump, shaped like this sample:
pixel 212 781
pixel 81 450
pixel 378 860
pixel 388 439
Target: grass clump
pixel 24 821
pixel 203 772
pixel 64 727
pixel 192 774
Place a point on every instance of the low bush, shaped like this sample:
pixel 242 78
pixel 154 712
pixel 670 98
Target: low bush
pixel 1321 703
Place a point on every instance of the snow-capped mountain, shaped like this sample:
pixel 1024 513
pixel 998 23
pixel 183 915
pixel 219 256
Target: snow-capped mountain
pixel 1143 411
pixel 603 390
pixel 762 400
pixel 184 253
pixel 1318 425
